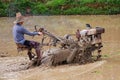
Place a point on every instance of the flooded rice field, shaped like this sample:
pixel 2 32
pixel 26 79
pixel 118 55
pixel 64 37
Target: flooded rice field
pixel 13 65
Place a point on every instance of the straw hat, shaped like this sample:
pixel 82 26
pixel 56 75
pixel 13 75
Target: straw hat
pixel 19 18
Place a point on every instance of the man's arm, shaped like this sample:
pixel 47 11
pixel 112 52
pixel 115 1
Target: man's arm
pixel 25 31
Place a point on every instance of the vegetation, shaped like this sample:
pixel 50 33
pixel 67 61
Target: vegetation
pixel 60 7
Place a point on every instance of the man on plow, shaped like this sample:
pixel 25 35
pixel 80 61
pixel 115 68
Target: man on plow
pixel 18 34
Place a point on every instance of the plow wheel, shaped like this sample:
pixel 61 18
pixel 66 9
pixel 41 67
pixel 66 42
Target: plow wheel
pixel 83 56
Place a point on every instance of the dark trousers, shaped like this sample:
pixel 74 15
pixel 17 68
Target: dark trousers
pixel 35 45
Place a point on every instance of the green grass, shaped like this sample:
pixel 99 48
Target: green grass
pixel 61 7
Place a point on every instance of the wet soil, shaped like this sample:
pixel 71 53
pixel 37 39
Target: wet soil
pixel 18 68
pixel 9 66
pixel 14 66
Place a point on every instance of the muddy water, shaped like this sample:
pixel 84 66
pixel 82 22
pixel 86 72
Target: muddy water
pixel 61 25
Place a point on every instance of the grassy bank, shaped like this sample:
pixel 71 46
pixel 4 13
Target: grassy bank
pixel 60 7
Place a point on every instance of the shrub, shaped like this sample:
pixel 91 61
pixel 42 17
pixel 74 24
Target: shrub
pixel 3 7
pixel 39 8
pixel 54 4
pixel 56 7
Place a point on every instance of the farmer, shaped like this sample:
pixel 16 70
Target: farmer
pixel 18 35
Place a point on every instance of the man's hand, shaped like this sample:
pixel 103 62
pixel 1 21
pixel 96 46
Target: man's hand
pixel 40 33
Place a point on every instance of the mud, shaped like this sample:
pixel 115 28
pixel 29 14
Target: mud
pixel 18 68
pixel 14 66
pixel 10 66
